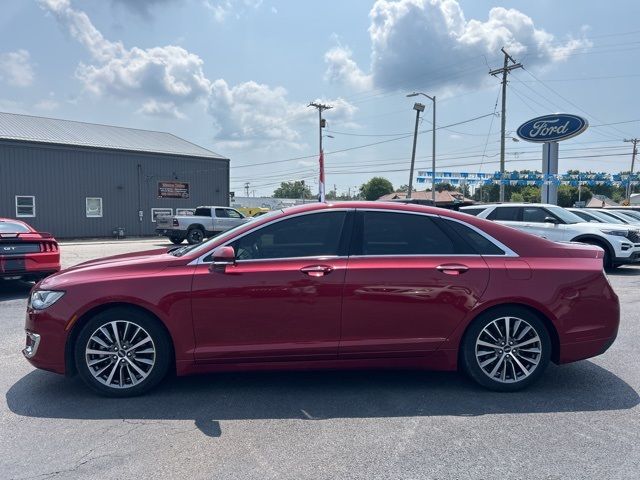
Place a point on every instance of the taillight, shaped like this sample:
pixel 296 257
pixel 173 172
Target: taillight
pixel 48 247
pixel 175 222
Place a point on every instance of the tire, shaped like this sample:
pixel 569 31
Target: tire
pixel 195 235
pixel 486 364
pixel 122 372
pixel 176 240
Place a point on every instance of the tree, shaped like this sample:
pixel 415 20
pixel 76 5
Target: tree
pixel 403 188
pixel 292 190
pixel 444 187
pixel 516 197
pixel 375 188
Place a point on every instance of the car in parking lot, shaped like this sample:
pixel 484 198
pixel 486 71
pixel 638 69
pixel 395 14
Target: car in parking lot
pixel 25 253
pixel 205 222
pixel 327 286
pixel 621 243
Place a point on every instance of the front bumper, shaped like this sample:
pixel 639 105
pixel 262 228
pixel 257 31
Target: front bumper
pixel 46 340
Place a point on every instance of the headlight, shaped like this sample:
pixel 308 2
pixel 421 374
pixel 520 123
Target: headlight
pixel 618 233
pixel 41 299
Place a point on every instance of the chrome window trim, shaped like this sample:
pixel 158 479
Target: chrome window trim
pixel 200 260
pixel 508 252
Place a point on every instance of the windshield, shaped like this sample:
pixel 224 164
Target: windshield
pixel 630 213
pixel 12 227
pixel 605 218
pixel 565 215
pixel 204 246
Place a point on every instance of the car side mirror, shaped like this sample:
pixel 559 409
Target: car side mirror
pixel 550 220
pixel 222 257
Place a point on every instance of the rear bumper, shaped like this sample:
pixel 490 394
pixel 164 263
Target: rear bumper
pixel 37 265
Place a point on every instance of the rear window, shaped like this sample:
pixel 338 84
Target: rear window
pixel 479 243
pixel 12 227
pixel 508 214
pixel 202 212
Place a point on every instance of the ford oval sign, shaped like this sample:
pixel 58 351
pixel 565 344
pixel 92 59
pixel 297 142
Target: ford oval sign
pixel 552 128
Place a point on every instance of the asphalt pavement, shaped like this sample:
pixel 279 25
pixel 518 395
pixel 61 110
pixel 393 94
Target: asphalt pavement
pixel 581 421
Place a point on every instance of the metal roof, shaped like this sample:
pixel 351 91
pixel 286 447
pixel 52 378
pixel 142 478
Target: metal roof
pixel 65 132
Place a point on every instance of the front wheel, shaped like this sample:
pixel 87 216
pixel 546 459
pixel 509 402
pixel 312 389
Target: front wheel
pixel 122 353
pixel 176 239
pixel 506 349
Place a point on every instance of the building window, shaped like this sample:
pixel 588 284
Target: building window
pixel 160 212
pixel 94 206
pixel 185 211
pixel 25 206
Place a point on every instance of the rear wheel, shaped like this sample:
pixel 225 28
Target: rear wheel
pixel 195 235
pixel 122 353
pixel 506 349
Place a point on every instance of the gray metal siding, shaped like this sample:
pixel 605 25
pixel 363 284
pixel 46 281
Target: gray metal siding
pixel 61 177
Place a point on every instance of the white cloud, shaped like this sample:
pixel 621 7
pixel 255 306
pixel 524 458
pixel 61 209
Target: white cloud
pixel 342 69
pixel 430 42
pixel 47 105
pixel 251 114
pixel 142 7
pixel 154 108
pixel 168 78
pixel 16 68
pixel 222 9
pixel 169 72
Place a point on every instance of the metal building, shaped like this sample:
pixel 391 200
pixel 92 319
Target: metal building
pixel 78 179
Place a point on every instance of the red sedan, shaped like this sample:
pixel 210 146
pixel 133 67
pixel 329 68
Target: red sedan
pixel 25 253
pixel 344 285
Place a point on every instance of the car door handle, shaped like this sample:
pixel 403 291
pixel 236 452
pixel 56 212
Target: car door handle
pixel 317 270
pixel 452 269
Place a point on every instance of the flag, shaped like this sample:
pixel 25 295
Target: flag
pixel 321 182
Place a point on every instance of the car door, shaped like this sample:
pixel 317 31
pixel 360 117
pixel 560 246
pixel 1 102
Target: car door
pixel 282 298
pixel 234 217
pixel 533 219
pixel 222 220
pixel 408 285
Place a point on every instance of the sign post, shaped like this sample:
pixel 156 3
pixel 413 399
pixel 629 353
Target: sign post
pixel 549 130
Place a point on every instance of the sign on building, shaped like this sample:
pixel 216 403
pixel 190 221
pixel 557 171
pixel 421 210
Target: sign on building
pixel 173 190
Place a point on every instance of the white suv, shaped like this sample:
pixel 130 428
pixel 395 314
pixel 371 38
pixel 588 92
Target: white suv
pixel 621 243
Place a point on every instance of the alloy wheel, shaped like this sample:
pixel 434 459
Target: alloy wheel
pixel 508 349
pixel 120 354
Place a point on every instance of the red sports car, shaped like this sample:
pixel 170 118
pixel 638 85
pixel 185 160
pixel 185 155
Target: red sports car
pixel 25 253
pixel 343 285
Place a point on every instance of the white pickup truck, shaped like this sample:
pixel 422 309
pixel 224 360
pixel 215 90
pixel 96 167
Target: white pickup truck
pixel 205 222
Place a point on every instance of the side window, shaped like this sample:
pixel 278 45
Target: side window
pixel 232 213
pixel 388 233
pixel 535 214
pixel 480 244
pixel 202 212
pixel 311 235
pixel 507 214
pixel 221 213
pixel 472 211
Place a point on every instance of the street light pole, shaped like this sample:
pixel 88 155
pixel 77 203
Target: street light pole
pixel 433 147
pixel 418 107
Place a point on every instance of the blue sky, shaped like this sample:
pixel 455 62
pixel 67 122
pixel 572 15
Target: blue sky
pixel 236 77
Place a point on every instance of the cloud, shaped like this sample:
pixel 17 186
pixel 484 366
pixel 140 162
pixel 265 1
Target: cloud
pixel 342 69
pixel 154 108
pixel 142 7
pixel 171 72
pixel 16 69
pixel 167 78
pixel 47 105
pixel 430 42
pixel 251 114
pixel 222 9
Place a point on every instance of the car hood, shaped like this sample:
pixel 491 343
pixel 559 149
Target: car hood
pixel 117 266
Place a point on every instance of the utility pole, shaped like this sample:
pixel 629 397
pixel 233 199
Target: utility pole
pixel 418 107
pixel 504 71
pixel 633 161
pixel 322 123
pixel 246 188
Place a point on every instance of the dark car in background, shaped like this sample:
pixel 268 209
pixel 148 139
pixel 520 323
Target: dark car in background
pixel 25 253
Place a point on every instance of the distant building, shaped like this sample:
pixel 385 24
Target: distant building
pixel 443 199
pixel 268 202
pixel 78 179
pixel 601 201
pixel 635 199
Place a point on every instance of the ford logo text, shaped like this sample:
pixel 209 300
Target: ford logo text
pixel 552 128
